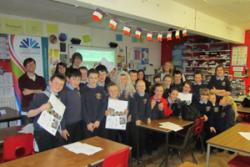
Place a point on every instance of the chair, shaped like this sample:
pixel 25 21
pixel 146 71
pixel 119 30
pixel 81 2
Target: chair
pixel 185 144
pixel 117 159
pixel 198 132
pixel 17 146
pixel 239 161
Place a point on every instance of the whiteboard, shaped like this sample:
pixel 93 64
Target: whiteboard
pixel 93 55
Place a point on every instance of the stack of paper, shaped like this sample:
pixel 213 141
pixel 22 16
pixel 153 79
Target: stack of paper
pixel 83 148
pixel 246 135
pixel 27 129
pixel 170 126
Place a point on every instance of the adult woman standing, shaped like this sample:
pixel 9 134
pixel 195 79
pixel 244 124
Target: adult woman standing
pixel 219 83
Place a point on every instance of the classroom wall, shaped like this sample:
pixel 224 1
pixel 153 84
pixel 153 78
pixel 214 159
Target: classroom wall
pixel 100 38
pixel 170 13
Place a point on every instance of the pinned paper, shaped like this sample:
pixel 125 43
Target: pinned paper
pixel 86 38
pixel 33 27
pixel 52 28
pixel 119 37
pixel 13 26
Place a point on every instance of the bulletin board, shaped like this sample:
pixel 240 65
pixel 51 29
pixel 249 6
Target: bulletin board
pixel 239 56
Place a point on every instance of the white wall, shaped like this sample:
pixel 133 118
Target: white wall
pixel 101 38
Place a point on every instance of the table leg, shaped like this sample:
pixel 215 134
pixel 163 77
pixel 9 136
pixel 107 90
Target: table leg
pixel 137 143
pixel 165 160
pixel 208 155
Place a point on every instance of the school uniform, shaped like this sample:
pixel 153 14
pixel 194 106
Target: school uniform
pixel 93 108
pixel 167 92
pixel 205 108
pixel 147 83
pixel 83 84
pixel 188 111
pixel 220 83
pixel 43 138
pixel 73 116
pixel 175 106
pixel 156 139
pixel 141 111
pixel 130 124
pixel 223 118
pixel 196 87
pixel 105 84
pixel 178 86
pixel 156 113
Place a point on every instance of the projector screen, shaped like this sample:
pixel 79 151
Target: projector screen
pixel 92 55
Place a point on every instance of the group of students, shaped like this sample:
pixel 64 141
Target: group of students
pixel 85 93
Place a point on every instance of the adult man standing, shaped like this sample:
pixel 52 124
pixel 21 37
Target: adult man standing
pixel 30 83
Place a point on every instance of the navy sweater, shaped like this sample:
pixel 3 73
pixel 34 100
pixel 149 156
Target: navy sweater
pixel 222 119
pixel 73 112
pixel 93 104
pixel 196 91
pixel 143 109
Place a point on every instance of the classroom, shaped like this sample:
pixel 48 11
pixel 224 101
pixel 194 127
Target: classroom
pixel 135 83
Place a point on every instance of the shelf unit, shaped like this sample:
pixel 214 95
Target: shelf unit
pixel 204 56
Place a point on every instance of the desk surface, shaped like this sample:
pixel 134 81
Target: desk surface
pixel 156 123
pixel 6 132
pixel 64 158
pixel 241 109
pixel 10 115
pixel 232 139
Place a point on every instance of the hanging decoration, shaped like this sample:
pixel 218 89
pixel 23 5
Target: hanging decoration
pixel 98 15
pixel 149 36
pixel 113 24
pixel 184 33
pixel 177 34
pixel 126 30
pixel 138 34
pixel 169 36
pixel 159 37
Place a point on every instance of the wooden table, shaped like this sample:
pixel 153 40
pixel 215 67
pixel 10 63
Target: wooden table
pixel 11 115
pixel 230 140
pixel 7 132
pixel 63 158
pixel 155 127
pixel 245 110
pixel 189 164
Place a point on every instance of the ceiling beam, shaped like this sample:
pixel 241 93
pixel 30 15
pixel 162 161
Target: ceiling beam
pixel 167 13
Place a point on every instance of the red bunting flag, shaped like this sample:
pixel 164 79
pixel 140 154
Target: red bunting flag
pixel 159 37
pixel 169 36
pixel 149 36
pixel 138 34
pixel 126 30
pixel 177 34
pixel 112 24
pixel 184 33
pixel 97 16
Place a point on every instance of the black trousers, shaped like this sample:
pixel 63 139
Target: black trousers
pixel 47 141
pixel 119 136
pixel 76 132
